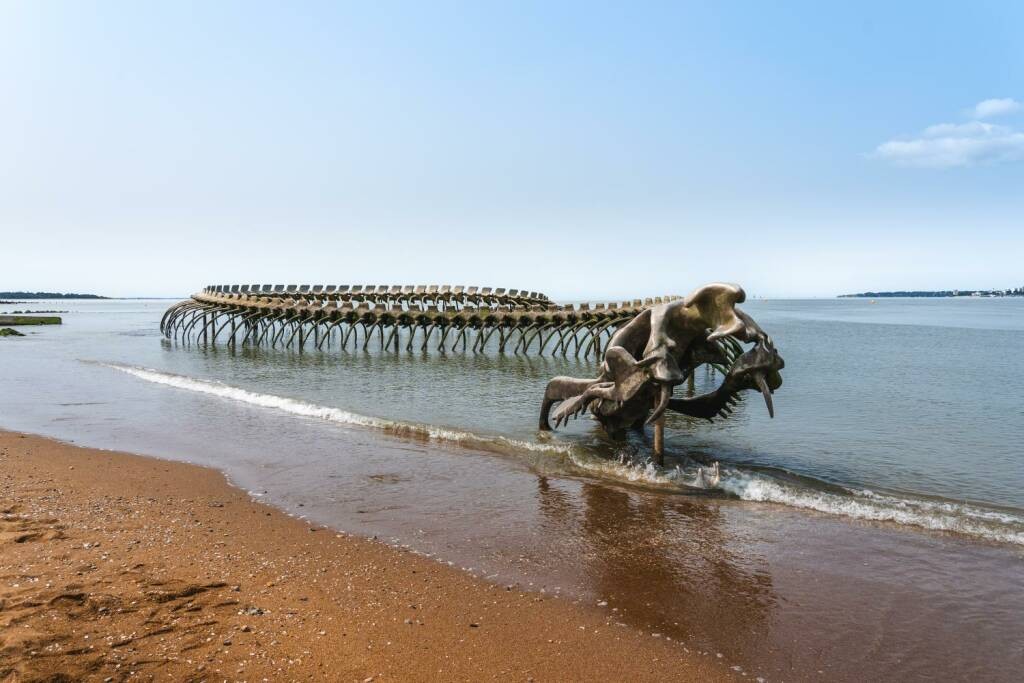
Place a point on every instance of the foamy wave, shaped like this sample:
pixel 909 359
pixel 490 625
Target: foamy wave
pixel 339 416
pixel 646 473
pixel 867 505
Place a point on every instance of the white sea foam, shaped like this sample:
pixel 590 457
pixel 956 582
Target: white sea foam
pixel 339 416
pixel 643 473
pixel 934 515
pixel 962 518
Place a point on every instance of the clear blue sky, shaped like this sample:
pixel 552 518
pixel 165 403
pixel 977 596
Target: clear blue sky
pixel 582 149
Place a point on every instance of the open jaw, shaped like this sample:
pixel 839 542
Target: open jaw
pixel 650 356
pixel 755 370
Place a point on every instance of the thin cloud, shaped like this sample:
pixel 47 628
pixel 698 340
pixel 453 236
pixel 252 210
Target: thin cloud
pixel 995 107
pixel 963 130
pixel 949 145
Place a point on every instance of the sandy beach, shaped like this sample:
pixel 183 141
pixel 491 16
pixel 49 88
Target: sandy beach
pixel 121 567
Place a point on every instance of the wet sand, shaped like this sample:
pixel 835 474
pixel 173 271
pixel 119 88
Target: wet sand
pixel 121 567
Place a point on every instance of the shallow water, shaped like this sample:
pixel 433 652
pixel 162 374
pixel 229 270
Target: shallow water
pixel 896 418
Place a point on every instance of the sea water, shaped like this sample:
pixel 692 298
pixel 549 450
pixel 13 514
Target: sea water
pixel 894 467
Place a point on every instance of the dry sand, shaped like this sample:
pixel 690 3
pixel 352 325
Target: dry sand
pixel 120 567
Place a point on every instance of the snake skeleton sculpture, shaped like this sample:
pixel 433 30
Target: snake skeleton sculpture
pixel 299 316
pixel 647 347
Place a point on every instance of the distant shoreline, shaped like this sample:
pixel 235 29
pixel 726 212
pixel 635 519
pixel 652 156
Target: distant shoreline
pixel 28 297
pixel 941 294
pixel 48 295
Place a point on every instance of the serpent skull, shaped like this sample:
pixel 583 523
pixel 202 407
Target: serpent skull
pixel 659 349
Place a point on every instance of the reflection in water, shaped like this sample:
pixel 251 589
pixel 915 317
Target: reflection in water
pixel 665 563
pixel 488 360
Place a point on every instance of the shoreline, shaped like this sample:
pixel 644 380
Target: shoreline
pixel 126 567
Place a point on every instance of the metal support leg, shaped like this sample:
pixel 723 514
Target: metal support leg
pixel 659 442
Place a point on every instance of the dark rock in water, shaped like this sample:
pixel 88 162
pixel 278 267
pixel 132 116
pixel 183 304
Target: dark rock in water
pixel 30 320
pixel 8 332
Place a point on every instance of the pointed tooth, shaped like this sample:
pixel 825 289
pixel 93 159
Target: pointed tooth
pixel 659 410
pixel 766 392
